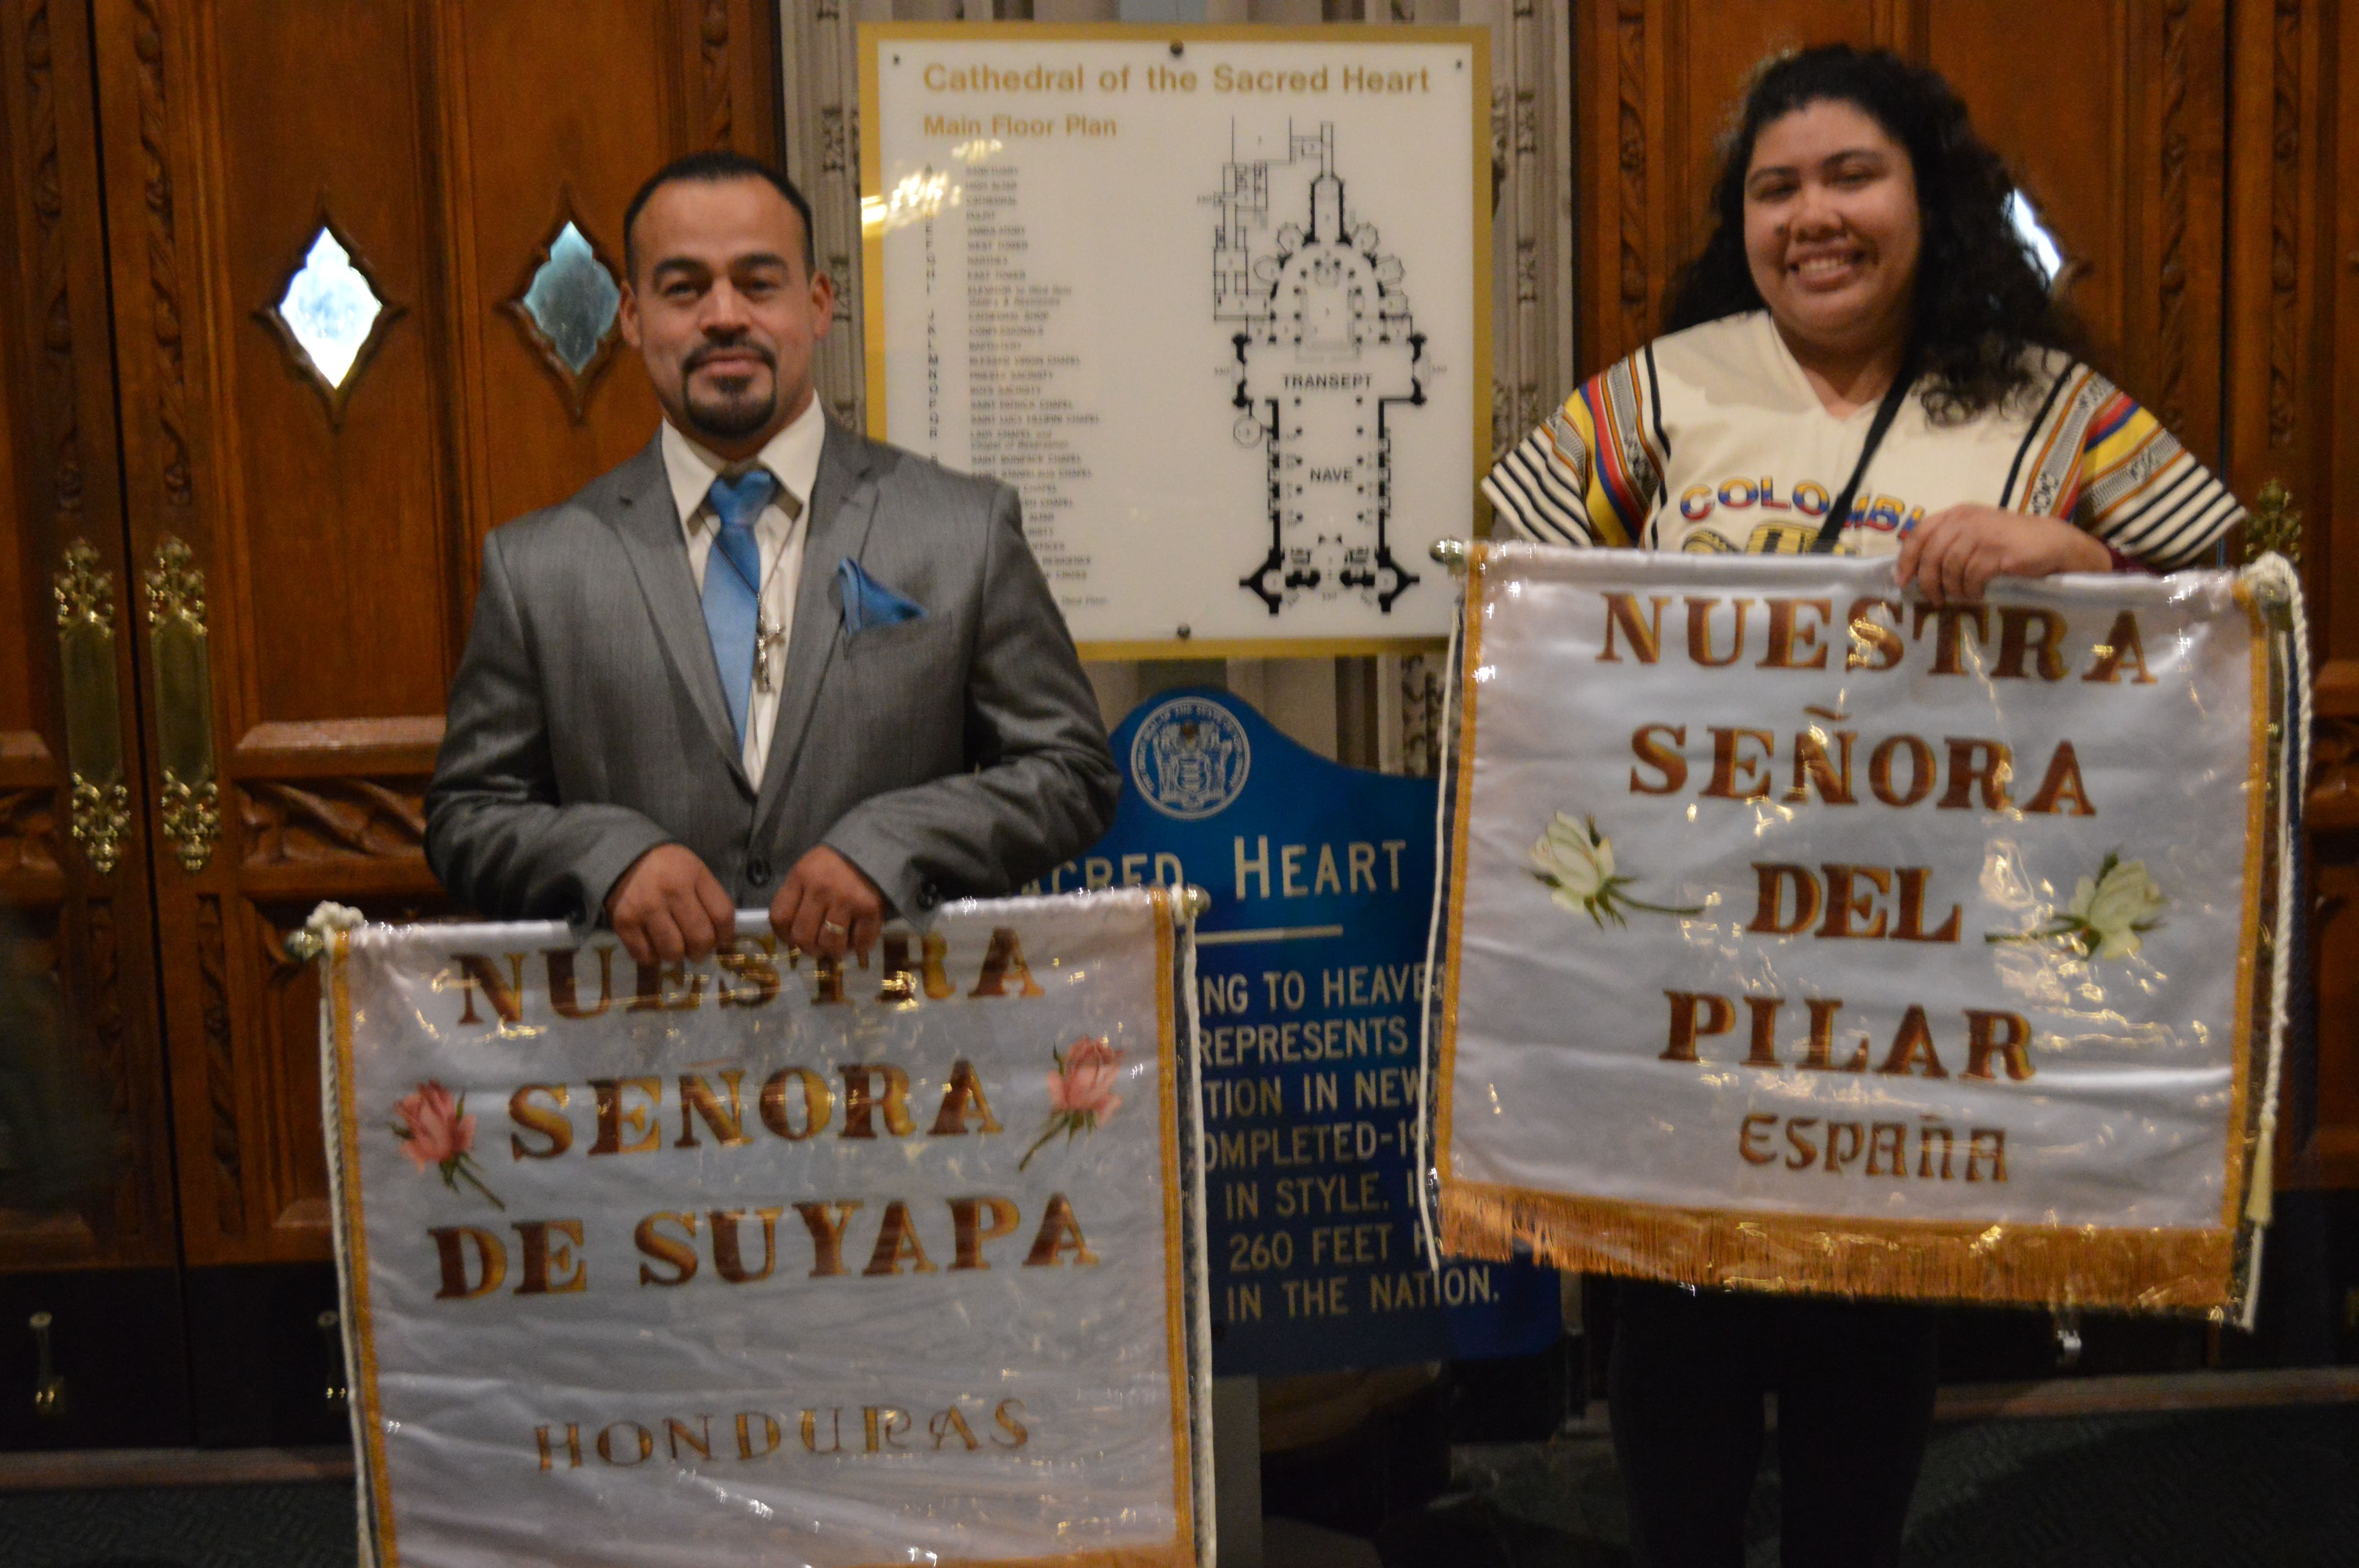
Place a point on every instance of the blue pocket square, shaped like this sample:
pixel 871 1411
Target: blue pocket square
pixel 867 602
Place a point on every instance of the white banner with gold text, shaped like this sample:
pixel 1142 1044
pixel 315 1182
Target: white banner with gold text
pixel 768 1260
pixel 1804 935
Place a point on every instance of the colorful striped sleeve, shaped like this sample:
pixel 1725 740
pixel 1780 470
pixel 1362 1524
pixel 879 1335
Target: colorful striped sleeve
pixel 1591 474
pixel 2144 495
pixel 2105 462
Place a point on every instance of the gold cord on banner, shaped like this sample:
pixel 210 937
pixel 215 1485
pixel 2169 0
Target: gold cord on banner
pixel 2147 1270
pixel 1175 1305
pixel 368 1402
pixel 1124 1557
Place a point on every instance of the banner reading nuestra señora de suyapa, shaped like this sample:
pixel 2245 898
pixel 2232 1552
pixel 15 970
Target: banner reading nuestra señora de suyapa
pixel 1805 935
pixel 772 1261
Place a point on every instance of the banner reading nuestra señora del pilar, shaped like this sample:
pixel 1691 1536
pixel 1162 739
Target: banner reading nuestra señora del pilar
pixel 771 1259
pixel 1805 935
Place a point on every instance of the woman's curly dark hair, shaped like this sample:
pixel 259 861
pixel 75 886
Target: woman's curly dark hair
pixel 1980 299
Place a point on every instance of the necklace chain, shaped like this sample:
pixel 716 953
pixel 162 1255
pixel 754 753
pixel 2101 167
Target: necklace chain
pixel 767 639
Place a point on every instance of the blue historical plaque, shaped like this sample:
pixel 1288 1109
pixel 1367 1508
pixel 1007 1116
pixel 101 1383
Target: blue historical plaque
pixel 1311 972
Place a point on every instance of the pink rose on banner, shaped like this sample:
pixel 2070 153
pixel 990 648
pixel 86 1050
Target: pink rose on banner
pixel 1087 1082
pixel 438 1134
pixel 1080 1091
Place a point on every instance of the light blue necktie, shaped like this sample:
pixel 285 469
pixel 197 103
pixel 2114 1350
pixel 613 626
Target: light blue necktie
pixel 733 585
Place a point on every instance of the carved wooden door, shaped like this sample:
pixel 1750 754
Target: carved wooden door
pixel 362 260
pixel 78 1007
pixel 2293 396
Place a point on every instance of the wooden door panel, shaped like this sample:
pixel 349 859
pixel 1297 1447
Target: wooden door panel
pixel 332 532
pixel 514 85
pixel 322 525
pixel 76 902
pixel 2326 1152
pixel 313 537
pixel 2116 124
pixel 2332 495
pixel 2292 358
pixel 331 548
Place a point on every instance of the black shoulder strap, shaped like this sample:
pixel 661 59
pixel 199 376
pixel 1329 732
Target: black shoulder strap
pixel 1885 412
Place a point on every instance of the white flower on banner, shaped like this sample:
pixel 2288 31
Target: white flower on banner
pixel 2108 914
pixel 1576 862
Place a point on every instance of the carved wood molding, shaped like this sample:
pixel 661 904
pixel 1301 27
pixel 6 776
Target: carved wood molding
pixel 2285 222
pixel 315 820
pixel 820 81
pixel 712 40
pixel 2170 321
pixel 28 835
pixel 110 1040
pixel 163 262
pixel 1532 363
pixel 2333 798
pixel 221 1068
pixel 51 273
pixel 1630 141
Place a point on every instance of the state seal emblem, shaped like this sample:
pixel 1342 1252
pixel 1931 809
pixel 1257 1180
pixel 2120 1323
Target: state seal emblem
pixel 1190 757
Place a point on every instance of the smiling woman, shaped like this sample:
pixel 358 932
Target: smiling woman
pixel 1832 238
pixel 1864 358
pixel 1864 236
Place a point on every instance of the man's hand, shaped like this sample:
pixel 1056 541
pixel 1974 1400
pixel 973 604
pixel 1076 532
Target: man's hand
pixel 1954 553
pixel 668 907
pixel 827 906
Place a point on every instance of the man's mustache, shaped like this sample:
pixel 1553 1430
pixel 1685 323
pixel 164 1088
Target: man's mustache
pixel 698 360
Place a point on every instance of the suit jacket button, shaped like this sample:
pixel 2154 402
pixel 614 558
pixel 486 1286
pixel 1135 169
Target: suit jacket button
pixel 758 870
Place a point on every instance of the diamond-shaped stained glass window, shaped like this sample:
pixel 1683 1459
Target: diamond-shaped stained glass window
pixel 567 305
pixel 573 300
pixel 329 309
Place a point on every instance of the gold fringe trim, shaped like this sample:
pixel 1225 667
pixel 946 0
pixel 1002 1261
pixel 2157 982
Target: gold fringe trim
pixel 1104 1557
pixel 2150 1270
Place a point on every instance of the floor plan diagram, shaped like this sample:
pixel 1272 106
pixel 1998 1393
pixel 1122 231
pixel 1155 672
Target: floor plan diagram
pixel 1327 358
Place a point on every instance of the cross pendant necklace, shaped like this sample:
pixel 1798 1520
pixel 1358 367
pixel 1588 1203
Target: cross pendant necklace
pixel 765 638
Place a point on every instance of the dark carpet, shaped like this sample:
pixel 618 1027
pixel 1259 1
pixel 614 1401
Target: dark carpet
pixel 2273 1488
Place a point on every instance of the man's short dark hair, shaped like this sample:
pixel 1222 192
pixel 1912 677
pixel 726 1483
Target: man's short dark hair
pixel 710 168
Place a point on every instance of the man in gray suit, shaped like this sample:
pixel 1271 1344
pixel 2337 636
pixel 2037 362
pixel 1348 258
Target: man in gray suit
pixel 766 660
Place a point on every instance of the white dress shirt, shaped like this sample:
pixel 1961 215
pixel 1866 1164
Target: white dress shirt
pixel 792 458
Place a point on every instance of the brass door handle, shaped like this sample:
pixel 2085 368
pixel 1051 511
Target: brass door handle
pixel 190 817
pixel 338 1392
pixel 99 808
pixel 48 1388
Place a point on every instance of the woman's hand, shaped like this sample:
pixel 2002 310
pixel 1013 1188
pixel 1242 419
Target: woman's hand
pixel 1954 553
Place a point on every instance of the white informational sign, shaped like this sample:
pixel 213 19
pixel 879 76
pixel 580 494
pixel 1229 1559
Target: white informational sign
pixel 766 1261
pixel 1208 297
pixel 1805 935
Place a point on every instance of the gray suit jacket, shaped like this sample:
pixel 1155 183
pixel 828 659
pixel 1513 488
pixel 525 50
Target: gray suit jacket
pixel 959 753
